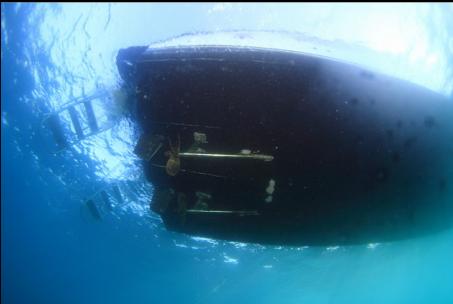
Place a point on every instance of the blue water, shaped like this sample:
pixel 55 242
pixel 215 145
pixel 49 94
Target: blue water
pixel 54 251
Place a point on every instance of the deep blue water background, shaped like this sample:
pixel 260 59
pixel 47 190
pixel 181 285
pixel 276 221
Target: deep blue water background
pixel 54 252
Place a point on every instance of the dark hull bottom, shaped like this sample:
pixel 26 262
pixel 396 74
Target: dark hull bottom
pixel 281 148
pixel 322 226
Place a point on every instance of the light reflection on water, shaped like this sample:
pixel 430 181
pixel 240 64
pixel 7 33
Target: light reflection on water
pixel 70 53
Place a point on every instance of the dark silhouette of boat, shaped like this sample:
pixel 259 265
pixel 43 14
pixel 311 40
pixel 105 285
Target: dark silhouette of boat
pixel 277 147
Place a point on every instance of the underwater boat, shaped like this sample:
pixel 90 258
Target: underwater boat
pixel 279 147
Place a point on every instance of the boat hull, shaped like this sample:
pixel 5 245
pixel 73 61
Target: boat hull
pixel 353 156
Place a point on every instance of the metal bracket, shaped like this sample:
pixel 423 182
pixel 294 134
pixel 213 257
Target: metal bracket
pixel 262 157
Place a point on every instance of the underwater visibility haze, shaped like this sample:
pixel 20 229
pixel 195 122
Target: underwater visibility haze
pixel 227 152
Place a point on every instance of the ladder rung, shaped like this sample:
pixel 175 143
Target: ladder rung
pixel 106 199
pixel 92 123
pixel 118 195
pixel 75 122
